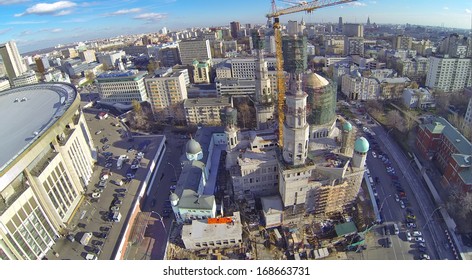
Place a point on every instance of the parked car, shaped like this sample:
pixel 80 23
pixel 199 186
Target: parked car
pixel 115 208
pixel 417 233
pixel 402 205
pixel 408 236
pixel 410 225
pixel 425 257
pixel 419 239
pixel 71 237
pixel 96 194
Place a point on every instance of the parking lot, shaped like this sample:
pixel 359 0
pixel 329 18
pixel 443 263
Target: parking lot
pixel 121 166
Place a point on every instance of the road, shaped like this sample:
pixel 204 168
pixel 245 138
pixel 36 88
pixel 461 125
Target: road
pixel 418 200
pixel 434 230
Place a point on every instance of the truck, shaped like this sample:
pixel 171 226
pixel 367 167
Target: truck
pixel 86 238
pixel 119 162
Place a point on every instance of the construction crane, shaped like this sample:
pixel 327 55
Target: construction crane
pixel 298 7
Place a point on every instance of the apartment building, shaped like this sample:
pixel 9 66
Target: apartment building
pixel 191 50
pixel 165 92
pixel 205 110
pixel 449 74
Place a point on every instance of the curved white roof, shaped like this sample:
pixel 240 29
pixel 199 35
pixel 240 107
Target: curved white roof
pixel 27 112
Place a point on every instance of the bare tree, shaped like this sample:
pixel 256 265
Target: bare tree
pixel 245 113
pixel 394 119
pixel 179 112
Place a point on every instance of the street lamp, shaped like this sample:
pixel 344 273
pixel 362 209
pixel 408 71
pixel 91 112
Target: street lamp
pixel 390 130
pixel 383 201
pixel 173 167
pixel 430 217
pixel 161 220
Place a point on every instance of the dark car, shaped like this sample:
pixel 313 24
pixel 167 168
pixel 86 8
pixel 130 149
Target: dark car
pixel 71 237
pixel 102 235
pixel 117 202
pixel 105 229
pixel 119 195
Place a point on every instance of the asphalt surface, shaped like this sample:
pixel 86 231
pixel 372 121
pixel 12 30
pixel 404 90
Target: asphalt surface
pixel 92 215
pixel 418 201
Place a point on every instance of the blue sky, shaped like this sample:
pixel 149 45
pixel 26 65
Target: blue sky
pixel 37 24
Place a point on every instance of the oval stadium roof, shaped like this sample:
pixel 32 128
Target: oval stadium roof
pixel 27 112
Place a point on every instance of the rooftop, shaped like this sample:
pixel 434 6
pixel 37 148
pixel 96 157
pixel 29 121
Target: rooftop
pixel 440 125
pixel 201 230
pixel 191 200
pixel 27 112
pixel 209 101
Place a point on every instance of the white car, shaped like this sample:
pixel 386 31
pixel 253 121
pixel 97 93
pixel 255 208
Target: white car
pixel 402 205
pixel 91 257
pixel 425 257
pixel 417 233
pixel 397 198
pixel 374 154
pixel 419 239
pixel 96 195
pixel 408 236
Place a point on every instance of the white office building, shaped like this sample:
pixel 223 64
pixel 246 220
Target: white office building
pixel 122 86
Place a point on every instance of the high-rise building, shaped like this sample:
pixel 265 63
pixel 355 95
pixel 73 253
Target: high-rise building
pixel 166 89
pixel 449 74
pixel 14 66
pixel 235 27
pixel 42 64
pixel 468 113
pixel 191 50
pixel 169 56
pixel 264 95
pixel 402 42
pixel 353 30
pixel 353 46
pixel 69 53
pixel 340 24
pixel 292 27
pixel 88 56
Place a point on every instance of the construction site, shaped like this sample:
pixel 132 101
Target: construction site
pixel 297 195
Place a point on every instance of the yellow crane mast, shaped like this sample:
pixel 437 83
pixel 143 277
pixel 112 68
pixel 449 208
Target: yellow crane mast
pixel 297 7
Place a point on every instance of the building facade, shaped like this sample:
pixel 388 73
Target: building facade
pixel 191 50
pixel 12 61
pixel 122 86
pixel 205 110
pixel 166 92
pixel 43 176
pixel 449 74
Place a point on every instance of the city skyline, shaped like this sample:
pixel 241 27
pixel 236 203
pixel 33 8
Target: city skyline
pixel 40 24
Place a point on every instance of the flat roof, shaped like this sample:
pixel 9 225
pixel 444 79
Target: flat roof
pixel 23 122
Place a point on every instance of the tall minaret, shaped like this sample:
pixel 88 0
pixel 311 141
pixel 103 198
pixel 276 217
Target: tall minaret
pixel 228 117
pixel 296 128
pixel 264 98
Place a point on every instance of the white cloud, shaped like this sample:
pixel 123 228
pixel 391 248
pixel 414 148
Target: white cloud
pixel 56 30
pixel 373 2
pixel 445 8
pixel 151 17
pixel 468 11
pixel 358 4
pixel 10 2
pixel 5 30
pixel 59 8
pixel 20 22
pixel 124 12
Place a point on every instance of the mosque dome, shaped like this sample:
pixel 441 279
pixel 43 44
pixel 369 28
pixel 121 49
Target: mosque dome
pixel 347 126
pixel 361 145
pixel 314 80
pixel 193 147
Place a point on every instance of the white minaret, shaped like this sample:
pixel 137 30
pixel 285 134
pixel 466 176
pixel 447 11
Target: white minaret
pixel 264 98
pixel 296 128
pixel 229 117
pixel 361 147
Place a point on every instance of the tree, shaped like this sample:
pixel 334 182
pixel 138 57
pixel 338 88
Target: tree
pixel 90 76
pixel 245 113
pixel 394 119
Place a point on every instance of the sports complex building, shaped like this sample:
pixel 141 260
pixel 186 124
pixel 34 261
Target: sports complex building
pixel 46 162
